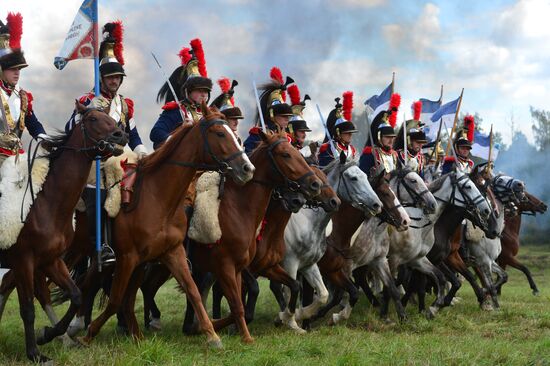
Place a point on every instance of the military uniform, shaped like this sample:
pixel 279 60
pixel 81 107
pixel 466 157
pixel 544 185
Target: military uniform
pixel 225 102
pixel 272 103
pixel 464 138
pixel 190 75
pixel 338 122
pixel 16 108
pixel 415 132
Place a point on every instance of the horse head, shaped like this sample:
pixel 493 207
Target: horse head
pixel 287 167
pixel 98 133
pixel 352 185
pixel 392 210
pixel 510 191
pixel 532 204
pixel 412 190
pixel 328 198
pixel 221 150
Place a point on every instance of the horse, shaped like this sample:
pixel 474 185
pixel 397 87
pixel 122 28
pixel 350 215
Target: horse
pixel 510 236
pixel 48 230
pixel 279 164
pixel 372 244
pixel 153 227
pixel 305 237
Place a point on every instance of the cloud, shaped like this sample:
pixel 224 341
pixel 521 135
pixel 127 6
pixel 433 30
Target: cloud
pixel 361 3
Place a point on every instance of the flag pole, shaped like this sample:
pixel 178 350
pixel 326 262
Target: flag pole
pixel 441 94
pixel 97 93
pixel 405 147
pixel 490 149
pixel 392 82
pixel 327 133
pixel 454 123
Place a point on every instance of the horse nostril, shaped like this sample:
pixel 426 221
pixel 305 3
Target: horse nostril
pixel 296 202
pixel 376 206
pixel 486 211
pixel 333 203
pixel 247 168
pixel 315 186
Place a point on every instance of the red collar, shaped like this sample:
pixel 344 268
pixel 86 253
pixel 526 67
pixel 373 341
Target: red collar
pixel 6 87
pixel 342 146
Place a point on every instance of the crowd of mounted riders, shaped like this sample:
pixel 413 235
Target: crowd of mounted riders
pixel 395 219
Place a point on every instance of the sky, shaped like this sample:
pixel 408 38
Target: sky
pixel 495 50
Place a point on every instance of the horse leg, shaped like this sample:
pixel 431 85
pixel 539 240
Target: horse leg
pixel 25 290
pixel 176 261
pixel 313 277
pixel 455 284
pixel 382 269
pixel 230 282
pixel 128 305
pixel 421 284
pixel 484 273
pixel 189 326
pixel 253 291
pixel 277 273
pixel 502 277
pixel 343 282
pixel 89 287
pixel 277 290
pixel 518 265
pixel 217 297
pixel 6 288
pixel 308 301
pixel 360 278
pixel 155 277
pixel 60 275
pixel 425 266
pixel 455 262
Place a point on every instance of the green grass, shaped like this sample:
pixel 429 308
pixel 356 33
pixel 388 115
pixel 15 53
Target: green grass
pixel 518 334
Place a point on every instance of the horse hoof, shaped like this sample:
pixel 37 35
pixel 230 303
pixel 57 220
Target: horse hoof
pixel 155 325
pixel 429 313
pixel 84 341
pixel 67 341
pixel 215 343
pixel 536 293
pixel 456 300
pixel 40 359
pixel 487 306
pixel 248 340
pixel 277 321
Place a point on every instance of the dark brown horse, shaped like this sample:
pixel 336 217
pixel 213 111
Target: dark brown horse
pixel 48 227
pixel 154 228
pixel 278 164
pixel 510 237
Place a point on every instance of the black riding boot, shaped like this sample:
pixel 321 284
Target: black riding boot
pixel 107 253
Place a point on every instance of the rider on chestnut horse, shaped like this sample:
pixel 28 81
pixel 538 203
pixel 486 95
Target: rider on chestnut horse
pixel 121 109
pixel 16 111
pixel 225 102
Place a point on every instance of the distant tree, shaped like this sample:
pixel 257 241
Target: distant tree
pixel 541 127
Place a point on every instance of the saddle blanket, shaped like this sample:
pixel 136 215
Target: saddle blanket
pixel 204 226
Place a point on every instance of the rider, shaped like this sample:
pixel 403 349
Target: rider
pixel 340 128
pixel 416 138
pixel 121 109
pixel 462 145
pixel 225 102
pixel 383 136
pixel 276 113
pixel 192 87
pixel 297 126
pixel 16 110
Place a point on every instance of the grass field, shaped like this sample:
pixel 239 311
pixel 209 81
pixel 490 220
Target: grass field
pixel 518 334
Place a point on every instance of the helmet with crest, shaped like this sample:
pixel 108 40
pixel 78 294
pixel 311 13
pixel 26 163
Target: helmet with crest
pixel 11 55
pixel 339 119
pixel 111 50
pixel 225 102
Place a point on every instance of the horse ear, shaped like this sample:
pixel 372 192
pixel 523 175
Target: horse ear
pixel 263 135
pixel 313 147
pixel 343 157
pixel 204 109
pixel 80 108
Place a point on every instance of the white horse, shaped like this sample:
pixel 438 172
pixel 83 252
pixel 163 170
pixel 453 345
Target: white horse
pixel 370 248
pixel 411 246
pixel 305 233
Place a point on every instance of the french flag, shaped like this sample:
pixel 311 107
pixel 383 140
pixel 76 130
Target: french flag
pixel 445 114
pixel 379 103
pixel 480 148
pixel 429 107
pixel 79 43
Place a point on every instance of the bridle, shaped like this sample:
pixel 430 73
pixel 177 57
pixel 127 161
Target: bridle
pixel 417 197
pixel 349 199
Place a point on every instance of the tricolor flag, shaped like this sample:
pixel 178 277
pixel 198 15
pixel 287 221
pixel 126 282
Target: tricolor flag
pixel 446 113
pixel 480 148
pixel 379 103
pixel 429 107
pixel 79 43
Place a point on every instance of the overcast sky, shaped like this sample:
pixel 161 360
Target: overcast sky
pixel 496 50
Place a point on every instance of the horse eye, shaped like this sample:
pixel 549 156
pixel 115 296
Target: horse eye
pixel 220 134
pixel 413 181
pixel 285 155
pixel 355 179
pixel 468 187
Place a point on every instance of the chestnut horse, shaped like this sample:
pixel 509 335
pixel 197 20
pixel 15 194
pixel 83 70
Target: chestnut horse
pixel 510 237
pixel 154 228
pixel 278 164
pixel 48 227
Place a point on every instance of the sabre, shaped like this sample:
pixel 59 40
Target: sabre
pixel 490 149
pixel 183 117
pixel 330 141
pixel 259 106
pixel 434 151
pixel 451 143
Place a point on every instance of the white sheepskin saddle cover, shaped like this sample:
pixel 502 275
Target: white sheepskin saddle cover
pixel 13 182
pixel 473 234
pixel 205 224
pixel 113 173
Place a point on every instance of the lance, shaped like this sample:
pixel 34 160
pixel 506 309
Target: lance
pixel 455 121
pixel 259 106
pixel 330 141
pixel 97 92
pixel 405 147
pixel 490 149
pixel 441 94
pixel 171 87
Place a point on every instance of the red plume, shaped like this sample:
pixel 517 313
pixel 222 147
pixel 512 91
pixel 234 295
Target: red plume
pixel 225 84
pixel 196 44
pixel 118 34
pixel 395 101
pixel 469 123
pixel 185 56
pixel 15 25
pixel 417 110
pixel 277 75
pixel 347 105
pixel 294 94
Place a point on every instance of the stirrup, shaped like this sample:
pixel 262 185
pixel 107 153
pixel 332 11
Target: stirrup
pixel 107 254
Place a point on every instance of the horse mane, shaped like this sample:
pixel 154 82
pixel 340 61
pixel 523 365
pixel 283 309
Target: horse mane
pixel 436 185
pixel 336 162
pixel 271 135
pixel 55 143
pixel 151 161
pixel 400 173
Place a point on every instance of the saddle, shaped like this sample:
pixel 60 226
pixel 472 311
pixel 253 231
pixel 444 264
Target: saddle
pixel 203 195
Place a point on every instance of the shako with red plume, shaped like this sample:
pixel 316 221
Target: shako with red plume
pixel 111 50
pixel 225 102
pixel 417 110
pixel 11 55
pixel 195 74
pixel 395 102
pixel 339 119
pixel 297 121
pixel 465 135
pixel 273 98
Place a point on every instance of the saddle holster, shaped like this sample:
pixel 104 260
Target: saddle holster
pixel 128 180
